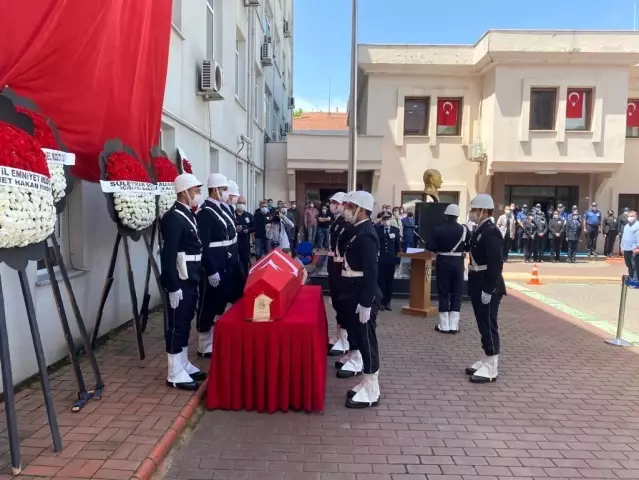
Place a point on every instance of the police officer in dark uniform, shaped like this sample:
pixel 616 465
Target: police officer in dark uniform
pixel 556 230
pixel 337 345
pixel 245 225
pixel 541 230
pixel 622 222
pixel 360 296
pixel 521 218
pixel 449 241
pixel 389 248
pixel 573 234
pixel 217 232
pixel 181 262
pixel 592 224
pixel 529 233
pixel 609 230
pixel 235 286
pixel 486 286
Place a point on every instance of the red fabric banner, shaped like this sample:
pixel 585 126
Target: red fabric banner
pixel 96 68
pixel 575 103
pixel 632 113
pixel 447 111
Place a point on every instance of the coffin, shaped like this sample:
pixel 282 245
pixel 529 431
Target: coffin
pixel 272 284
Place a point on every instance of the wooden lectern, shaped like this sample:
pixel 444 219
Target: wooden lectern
pixel 420 276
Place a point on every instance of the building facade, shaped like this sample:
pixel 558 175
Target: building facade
pixel 527 116
pixel 221 124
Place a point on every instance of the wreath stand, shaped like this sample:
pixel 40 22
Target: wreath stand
pixel 144 309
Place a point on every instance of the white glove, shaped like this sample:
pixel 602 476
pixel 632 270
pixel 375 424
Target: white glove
pixel 364 313
pixel 485 298
pixel 214 280
pixel 174 298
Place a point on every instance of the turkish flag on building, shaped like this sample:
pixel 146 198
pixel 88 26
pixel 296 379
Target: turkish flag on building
pixel 575 103
pixel 632 113
pixel 447 112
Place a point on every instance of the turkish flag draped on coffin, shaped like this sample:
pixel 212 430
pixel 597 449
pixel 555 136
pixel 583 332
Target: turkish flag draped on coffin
pixel 575 103
pixel 632 113
pixel 447 112
pixel 96 68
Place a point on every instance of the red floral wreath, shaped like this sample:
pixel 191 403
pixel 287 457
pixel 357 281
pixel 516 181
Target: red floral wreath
pixel 165 170
pixel 121 166
pixel 20 150
pixel 42 131
pixel 186 166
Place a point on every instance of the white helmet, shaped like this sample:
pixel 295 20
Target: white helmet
pixel 360 198
pixel 452 210
pixel 185 181
pixel 338 197
pixel 217 180
pixel 483 201
pixel 234 189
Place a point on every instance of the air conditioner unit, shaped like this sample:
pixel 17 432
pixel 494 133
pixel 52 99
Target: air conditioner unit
pixel 287 127
pixel 287 29
pixel 477 153
pixel 252 3
pixel 283 131
pixel 211 80
pixel 267 54
pixel 268 39
pixel 291 103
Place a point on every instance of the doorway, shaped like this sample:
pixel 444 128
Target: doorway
pixel 546 196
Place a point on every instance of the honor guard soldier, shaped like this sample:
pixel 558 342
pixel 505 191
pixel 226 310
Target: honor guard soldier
pixel 360 296
pixel 485 285
pixel 238 275
pixel 181 262
pixel 245 225
pixel 217 232
pixel 449 242
pixel 338 345
pixel 389 248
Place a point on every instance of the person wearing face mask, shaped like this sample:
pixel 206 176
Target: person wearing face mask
pixel 269 204
pixel 402 213
pixel 381 213
pixel 541 234
pixel 486 286
pixel 609 231
pixel 277 230
pixel 180 261
pixel 573 235
pixel 408 224
pixel 217 232
pixel 521 218
pixel 621 225
pixel 294 214
pixel 592 224
pixel 324 220
pixel 261 217
pixel 310 222
pixel 630 245
pixel 245 225
pixel 337 345
pixel 506 225
pixel 529 233
pixel 449 241
pixel 389 248
pixel 360 296
pixel 396 221
pixel 238 274
pixel 556 230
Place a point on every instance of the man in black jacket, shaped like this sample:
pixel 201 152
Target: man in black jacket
pixel 556 230
pixel 573 235
pixel 486 285
pixel 261 217
pixel 609 230
pixel 621 225
pixel 542 230
pixel 389 248
pixel 245 225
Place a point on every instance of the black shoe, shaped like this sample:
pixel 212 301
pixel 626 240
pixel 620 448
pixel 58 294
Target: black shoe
pixel 351 404
pixel 388 307
pixel 189 386
pixel 204 355
pixel 474 379
pixel 470 371
pixel 336 353
pixel 341 373
pixel 437 329
pixel 382 308
pixel 198 376
pixel 330 345
pixel 339 365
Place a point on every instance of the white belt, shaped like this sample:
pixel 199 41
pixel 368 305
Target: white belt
pixel 450 254
pixel 331 254
pixel 477 268
pixel 192 258
pixel 339 259
pixel 223 243
pixel 352 274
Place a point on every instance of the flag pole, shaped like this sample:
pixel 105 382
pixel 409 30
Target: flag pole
pixel 352 140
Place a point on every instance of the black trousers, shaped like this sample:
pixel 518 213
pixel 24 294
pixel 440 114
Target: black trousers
pixel 361 336
pixel 334 270
pixel 385 275
pixel 632 262
pixel 450 281
pixel 572 248
pixel 529 248
pixel 540 245
pixel 518 243
pixel 486 317
pixel 609 243
pixel 507 242
pixel 178 322
pixel 556 246
pixel 592 232
pixel 212 301
pixel 244 251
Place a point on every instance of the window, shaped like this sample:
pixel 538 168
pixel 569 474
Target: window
pixel 240 69
pixel 632 119
pixel 276 117
pixel 543 107
pixel 283 67
pixel 628 200
pixel 176 14
pixel 449 116
pixel 416 116
pixel 237 68
pixel 42 266
pixel 266 122
pixel 267 28
pixel 256 94
pixel 210 30
pixel 276 50
pixel 578 109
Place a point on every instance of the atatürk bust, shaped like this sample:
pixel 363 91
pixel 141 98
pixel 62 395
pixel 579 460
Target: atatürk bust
pixel 432 184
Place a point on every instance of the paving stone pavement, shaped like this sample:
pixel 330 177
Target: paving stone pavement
pixel 565 406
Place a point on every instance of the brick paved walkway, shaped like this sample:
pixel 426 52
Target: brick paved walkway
pixel 111 437
pixel 565 406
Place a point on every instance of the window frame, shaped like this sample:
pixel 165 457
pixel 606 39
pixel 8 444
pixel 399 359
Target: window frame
pixel 210 33
pixel 589 92
pixel 553 126
pixel 426 126
pixel 176 14
pixel 458 125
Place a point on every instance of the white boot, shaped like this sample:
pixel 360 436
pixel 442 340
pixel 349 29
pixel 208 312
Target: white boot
pixel 476 366
pixel 353 366
pixel 444 323
pixel 194 372
pixel 454 322
pixel 487 372
pixel 341 345
pixel 368 393
pixel 177 376
pixel 205 343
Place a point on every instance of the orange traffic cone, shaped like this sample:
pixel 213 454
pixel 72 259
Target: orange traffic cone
pixel 534 277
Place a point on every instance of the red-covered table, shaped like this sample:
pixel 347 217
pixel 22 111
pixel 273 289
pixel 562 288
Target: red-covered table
pixel 271 366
